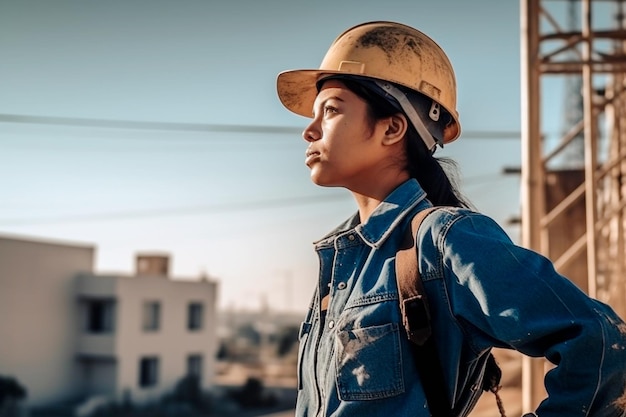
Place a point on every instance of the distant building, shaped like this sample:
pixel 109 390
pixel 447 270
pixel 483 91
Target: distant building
pixel 67 333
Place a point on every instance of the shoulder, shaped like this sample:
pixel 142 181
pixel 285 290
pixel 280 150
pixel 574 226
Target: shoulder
pixel 445 223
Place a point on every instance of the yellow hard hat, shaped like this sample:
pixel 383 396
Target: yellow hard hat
pixel 386 51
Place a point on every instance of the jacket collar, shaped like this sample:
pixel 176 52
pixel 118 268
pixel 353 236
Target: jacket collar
pixel 385 218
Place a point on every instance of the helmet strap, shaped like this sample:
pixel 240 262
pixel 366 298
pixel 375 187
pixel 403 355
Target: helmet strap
pixel 413 116
pixel 435 111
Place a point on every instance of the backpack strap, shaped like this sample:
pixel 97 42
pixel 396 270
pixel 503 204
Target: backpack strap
pixel 413 302
pixel 416 320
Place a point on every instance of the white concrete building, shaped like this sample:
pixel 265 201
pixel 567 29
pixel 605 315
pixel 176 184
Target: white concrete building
pixel 68 334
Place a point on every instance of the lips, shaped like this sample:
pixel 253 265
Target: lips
pixel 311 156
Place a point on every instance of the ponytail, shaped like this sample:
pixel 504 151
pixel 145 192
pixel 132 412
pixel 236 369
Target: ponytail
pixel 437 176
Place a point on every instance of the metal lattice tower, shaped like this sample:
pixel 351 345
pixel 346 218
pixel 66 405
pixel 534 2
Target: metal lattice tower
pixel 573 108
pixel 576 216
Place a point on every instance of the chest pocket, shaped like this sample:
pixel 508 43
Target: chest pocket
pixel 368 362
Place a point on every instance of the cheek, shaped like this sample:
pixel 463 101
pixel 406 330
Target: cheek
pixel 345 136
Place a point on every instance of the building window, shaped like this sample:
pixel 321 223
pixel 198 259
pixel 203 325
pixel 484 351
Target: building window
pixel 194 316
pixel 148 371
pixel 151 316
pixel 100 316
pixel 194 365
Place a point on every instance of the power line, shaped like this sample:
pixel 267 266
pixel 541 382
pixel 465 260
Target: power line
pixel 177 211
pixel 143 125
pixel 195 210
pixel 204 209
pixel 478 179
pixel 198 127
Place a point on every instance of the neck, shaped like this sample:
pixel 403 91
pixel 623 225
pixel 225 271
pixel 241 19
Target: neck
pixel 368 198
pixel 366 205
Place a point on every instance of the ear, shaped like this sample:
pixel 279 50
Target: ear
pixel 396 127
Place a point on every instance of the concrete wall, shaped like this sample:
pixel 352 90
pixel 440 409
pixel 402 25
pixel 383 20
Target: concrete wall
pixel 44 290
pixel 173 342
pixel 38 316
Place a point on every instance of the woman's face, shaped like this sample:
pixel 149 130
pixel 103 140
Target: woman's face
pixel 343 148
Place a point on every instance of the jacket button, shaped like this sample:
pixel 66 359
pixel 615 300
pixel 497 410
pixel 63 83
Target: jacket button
pixel 341 286
pixel 331 324
pixel 350 237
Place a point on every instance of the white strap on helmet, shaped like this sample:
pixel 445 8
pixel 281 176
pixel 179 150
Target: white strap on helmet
pixel 413 116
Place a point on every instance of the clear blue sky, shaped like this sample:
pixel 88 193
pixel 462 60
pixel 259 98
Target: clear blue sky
pixel 238 206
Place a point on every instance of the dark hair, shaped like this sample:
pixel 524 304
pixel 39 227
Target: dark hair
pixel 437 176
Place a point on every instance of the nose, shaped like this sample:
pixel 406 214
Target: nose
pixel 311 133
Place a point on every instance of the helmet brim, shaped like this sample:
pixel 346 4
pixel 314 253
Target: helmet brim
pixel 297 90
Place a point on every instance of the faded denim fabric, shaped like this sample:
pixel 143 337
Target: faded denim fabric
pixel 484 292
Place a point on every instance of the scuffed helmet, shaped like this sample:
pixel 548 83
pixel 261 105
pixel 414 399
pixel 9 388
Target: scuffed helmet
pixel 385 51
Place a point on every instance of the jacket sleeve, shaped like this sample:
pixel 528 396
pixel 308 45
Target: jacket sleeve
pixel 509 296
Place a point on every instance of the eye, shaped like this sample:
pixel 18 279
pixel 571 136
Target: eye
pixel 329 109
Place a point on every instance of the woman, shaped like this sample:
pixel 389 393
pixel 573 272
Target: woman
pixel 381 102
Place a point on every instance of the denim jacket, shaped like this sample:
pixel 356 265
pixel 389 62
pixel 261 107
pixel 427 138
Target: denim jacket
pixel 484 292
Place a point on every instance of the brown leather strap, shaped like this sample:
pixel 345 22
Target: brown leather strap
pixel 413 303
pixel 324 303
pixel 416 321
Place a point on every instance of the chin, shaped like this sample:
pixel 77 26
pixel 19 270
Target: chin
pixel 318 182
pixel 318 178
pixel 323 183
pixel 315 179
